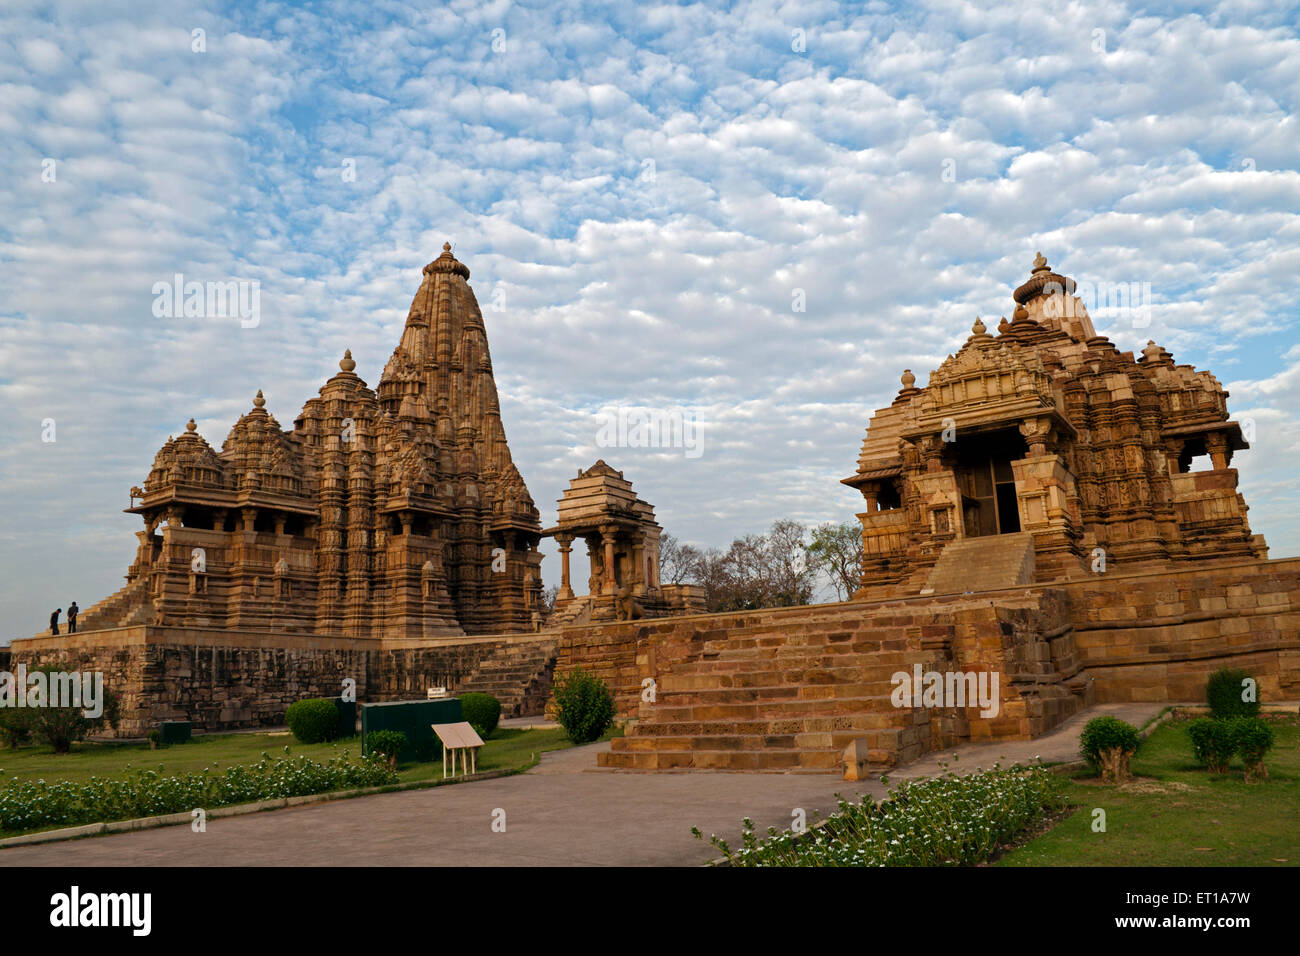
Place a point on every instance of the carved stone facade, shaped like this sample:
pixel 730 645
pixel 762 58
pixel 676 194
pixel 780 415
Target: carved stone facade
pixel 1048 428
pixel 387 513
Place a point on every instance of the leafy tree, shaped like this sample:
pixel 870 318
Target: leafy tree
pixel 61 726
pixel 835 553
pixel 758 570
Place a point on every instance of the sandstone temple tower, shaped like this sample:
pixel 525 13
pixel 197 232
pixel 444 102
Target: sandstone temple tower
pixel 1049 438
pixel 387 513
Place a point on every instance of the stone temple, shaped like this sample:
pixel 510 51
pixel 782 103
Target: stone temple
pixel 1034 511
pixel 1049 433
pixel 1038 511
pixel 388 513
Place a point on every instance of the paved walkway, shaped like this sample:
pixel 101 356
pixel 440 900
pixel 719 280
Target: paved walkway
pixel 564 812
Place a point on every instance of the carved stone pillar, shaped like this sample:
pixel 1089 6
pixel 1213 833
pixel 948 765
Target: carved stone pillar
pixel 250 517
pixel 566 590
pixel 1217 445
pixel 607 533
pixel 639 576
pixel 1037 433
pixel 931 447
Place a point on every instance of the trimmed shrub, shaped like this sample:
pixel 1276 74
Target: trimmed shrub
pixel 481 711
pixel 386 744
pixel 584 706
pixel 313 721
pixel 1226 691
pixel 1252 737
pixel 1107 743
pixel 1212 742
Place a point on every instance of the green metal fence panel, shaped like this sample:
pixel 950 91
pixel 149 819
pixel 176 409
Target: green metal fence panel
pixel 415 718
pixel 347 716
pixel 175 731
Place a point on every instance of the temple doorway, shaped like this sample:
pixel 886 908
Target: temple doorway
pixel 987 483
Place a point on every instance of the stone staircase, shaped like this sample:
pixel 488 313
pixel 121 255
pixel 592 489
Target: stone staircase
pixel 130 604
pixel 773 699
pixel 788 690
pixel 575 612
pixel 983 564
pixel 518 675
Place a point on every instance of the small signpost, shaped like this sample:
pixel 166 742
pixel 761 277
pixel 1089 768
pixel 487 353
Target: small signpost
pixel 459 738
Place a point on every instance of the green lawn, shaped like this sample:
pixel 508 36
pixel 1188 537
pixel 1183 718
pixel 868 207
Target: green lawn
pixel 1176 814
pixel 508 749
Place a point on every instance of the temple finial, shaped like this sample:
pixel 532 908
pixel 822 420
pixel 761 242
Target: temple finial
pixel 1040 264
pixel 190 426
pixel 259 401
pixel 346 362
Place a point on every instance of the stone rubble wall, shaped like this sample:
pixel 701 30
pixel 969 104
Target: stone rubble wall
pixel 227 680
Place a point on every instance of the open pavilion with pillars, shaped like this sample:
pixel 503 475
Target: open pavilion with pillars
pixel 622 538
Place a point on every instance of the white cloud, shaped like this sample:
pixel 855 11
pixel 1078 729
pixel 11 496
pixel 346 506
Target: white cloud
pixel 773 171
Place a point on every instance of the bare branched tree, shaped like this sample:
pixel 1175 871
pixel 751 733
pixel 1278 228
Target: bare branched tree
pixel 678 563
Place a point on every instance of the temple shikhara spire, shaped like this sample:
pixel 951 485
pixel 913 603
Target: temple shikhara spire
pixel 1049 433
pixel 388 513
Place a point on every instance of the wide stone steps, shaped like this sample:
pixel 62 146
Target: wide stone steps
pixel 123 606
pixel 775 695
pixel 767 726
pixel 766 708
pixel 741 758
pixel 517 675
pixel 983 564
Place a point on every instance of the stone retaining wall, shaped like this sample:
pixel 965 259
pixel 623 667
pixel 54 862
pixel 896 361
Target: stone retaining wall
pixel 1158 637
pixel 227 680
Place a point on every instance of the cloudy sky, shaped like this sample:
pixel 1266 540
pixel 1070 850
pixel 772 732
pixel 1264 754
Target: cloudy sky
pixel 642 192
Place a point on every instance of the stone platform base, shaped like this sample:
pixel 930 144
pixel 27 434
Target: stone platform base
pixel 789 689
pixel 783 689
pixel 225 680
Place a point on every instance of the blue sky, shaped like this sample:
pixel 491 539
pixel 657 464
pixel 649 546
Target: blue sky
pixel 1127 143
